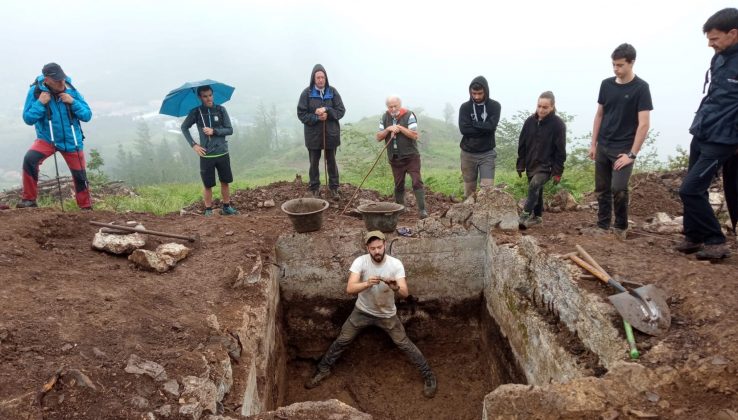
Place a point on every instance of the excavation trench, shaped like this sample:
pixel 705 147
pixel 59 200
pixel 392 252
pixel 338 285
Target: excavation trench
pixel 483 315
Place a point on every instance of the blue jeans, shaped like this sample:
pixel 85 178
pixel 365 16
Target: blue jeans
pixel 705 159
pixel 611 186
pixel 356 322
pixel 534 203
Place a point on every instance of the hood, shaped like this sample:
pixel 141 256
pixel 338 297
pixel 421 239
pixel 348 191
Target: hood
pixel 482 81
pixel 43 88
pixel 317 68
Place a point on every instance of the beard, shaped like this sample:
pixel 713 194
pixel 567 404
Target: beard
pixel 378 257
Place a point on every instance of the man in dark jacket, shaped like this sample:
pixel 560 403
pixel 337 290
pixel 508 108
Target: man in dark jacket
pixel 541 154
pixel 213 125
pixel 620 127
pixel 56 109
pixel 478 120
pixel 715 141
pixel 399 128
pixel 319 108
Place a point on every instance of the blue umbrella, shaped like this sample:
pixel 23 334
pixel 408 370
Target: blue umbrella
pixel 182 100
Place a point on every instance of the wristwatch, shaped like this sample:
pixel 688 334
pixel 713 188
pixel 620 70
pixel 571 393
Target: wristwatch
pixel 631 155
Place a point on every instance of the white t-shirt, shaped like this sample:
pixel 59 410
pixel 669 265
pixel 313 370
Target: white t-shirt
pixel 378 300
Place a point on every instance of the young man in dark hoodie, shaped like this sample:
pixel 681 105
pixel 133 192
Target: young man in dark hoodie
pixel 399 128
pixel 478 120
pixel 541 154
pixel 619 130
pixel 715 143
pixel 319 109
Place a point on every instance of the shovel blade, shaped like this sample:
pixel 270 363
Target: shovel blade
pixel 645 309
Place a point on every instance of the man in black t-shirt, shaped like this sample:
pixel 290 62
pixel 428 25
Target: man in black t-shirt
pixel 620 128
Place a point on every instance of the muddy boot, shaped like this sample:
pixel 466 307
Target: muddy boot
pixel 688 247
pixel 430 385
pixel 469 189
pixel 316 379
pixel 400 199
pixel 335 195
pixel 26 204
pixel 713 252
pixel 420 199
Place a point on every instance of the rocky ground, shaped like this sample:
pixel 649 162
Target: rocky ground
pixel 71 317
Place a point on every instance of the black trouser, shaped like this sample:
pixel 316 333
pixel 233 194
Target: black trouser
pixel 705 159
pixel 611 185
pixel 534 203
pixel 330 157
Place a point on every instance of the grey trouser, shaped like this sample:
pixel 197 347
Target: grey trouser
pixel 356 322
pixel 478 166
pixel 611 186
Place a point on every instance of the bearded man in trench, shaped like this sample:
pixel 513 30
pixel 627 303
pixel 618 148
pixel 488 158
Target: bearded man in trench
pixel 376 278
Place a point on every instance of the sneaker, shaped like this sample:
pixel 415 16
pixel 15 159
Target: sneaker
pixel 532 221
pixel 688 247
pixel 315 380
pixel 228 210
pixel 429 386
pixel 422 214
pixel 208 212
pixel 621 234
pixel 26 204
pixel 335 195
pixel 713 252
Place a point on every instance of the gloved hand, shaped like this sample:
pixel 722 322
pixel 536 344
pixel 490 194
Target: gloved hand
pixel 520 173
pixel 556 179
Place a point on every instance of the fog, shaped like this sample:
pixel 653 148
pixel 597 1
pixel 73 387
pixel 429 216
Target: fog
pixel 125 56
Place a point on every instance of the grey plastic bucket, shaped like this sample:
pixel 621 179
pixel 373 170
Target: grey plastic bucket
pixel 306 214
pixel 381 216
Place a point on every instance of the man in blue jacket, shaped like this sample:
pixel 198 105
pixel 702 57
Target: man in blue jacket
pixel 56 109
pixel 715 141
pixel 319 108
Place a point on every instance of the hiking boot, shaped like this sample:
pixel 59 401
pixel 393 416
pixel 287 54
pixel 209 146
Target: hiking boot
pixel 228 210
pixel 532 221
pixel 26 204
pixel 208 212
pixel 713 252
pixel 315 193
pixel 620 234
pixel 429 386
pixel 420 202
pixel 422 214
pixel 688 247
pixel 524 216
pixel 335 195
pixel 315 380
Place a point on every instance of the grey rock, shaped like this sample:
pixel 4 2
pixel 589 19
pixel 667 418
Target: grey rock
pixel 190 411
pixel 118 244
pixel 269 203
pixel 212 321
pixel 99 353
pixel 67 347
pixel 152 261
pixel 201 392
pixel 172 387
pixel 139 366
pixel 164 411
pixel 139 402
pixel 719 360
pixel 177 251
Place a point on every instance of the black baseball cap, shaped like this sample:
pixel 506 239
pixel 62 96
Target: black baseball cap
pixel 53 71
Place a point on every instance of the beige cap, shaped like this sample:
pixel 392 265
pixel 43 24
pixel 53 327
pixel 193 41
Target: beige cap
pixel 373 234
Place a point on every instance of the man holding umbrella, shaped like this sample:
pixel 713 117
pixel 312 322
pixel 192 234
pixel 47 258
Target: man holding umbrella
pixel 319 108
pixel 213 125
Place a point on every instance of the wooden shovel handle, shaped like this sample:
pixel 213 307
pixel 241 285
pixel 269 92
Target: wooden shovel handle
pixel 585 255
pixel 597 273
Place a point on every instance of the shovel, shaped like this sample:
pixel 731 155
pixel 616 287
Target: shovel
pixel 644 308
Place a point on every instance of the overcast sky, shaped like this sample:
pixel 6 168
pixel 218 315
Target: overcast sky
pixel 125 56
